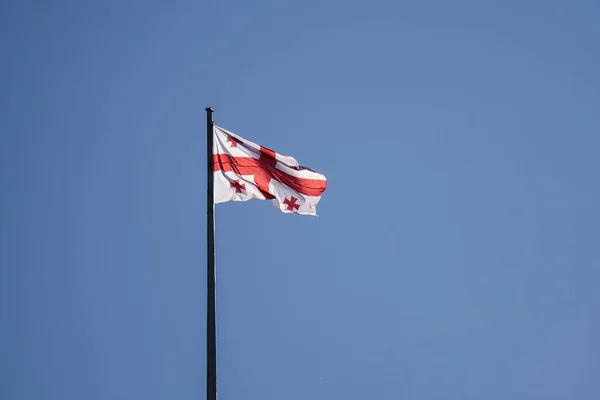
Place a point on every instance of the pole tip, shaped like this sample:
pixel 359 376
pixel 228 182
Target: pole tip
pixel 209 109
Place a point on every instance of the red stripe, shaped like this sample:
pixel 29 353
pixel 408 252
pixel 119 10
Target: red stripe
pixel 268 152
pixel 264 170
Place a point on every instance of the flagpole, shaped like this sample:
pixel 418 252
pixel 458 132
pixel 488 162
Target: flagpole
pixel 211 307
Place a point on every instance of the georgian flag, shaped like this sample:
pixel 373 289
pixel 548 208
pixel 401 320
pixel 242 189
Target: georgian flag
pixel 244 170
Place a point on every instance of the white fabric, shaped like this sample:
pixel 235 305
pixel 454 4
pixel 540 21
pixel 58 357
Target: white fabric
pixel 242 185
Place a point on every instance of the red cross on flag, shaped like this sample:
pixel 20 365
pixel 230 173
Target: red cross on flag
pixel 244 170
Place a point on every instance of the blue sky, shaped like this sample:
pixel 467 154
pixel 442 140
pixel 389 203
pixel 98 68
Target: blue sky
pixel 456 254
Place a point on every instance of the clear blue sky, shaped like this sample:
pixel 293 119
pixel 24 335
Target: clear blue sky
pixel 457 251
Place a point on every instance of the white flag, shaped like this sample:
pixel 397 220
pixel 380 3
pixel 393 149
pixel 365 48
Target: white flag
pixel 244 170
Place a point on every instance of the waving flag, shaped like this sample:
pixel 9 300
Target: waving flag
pixel 244 170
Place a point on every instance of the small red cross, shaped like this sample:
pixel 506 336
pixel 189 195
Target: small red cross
pixel 237 185
pixel 291 204
pixel 234 141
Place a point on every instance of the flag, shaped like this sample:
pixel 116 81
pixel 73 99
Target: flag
pixel 244 170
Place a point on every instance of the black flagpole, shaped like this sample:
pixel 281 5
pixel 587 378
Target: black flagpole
pixel 211 307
